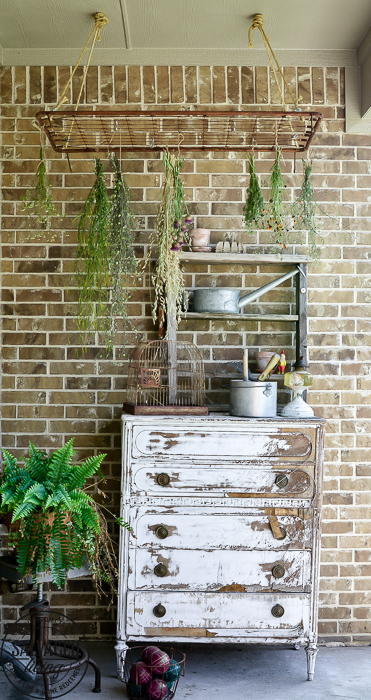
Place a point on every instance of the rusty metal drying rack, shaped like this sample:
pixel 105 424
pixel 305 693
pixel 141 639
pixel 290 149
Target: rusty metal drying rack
pixel 108 130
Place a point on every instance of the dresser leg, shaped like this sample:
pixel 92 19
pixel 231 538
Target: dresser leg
pixel 311 650
pixel 121 649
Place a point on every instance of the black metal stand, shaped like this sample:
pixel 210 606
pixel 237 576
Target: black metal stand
pixel 39 644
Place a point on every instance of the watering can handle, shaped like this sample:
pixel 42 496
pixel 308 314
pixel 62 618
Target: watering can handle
pixel 267 287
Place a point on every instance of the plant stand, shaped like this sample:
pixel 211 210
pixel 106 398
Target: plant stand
pixel 53 659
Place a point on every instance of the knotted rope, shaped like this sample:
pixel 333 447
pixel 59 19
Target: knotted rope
pixel 257 23
pixel 100 21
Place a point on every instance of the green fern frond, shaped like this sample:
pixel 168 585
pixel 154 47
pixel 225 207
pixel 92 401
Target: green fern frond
pixel 81 472
pixel 10 462
pixel 60 464
pixel 24 510
pixel 36 463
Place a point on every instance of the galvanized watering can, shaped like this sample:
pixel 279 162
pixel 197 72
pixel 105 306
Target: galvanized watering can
pixel 222 300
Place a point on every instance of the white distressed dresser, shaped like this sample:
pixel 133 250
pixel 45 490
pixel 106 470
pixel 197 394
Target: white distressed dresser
pixel 226 514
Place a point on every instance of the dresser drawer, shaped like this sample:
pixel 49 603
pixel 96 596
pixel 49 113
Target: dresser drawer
pixel 190 529
pixel 217 614
pixel 171 479
pixel 197 570
pixel 218 444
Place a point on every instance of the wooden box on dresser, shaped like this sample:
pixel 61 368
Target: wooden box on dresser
pixel 226 518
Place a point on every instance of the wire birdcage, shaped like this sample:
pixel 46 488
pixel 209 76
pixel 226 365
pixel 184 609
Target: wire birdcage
pixel 166 377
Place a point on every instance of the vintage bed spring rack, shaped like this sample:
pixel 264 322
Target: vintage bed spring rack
pixel 102 130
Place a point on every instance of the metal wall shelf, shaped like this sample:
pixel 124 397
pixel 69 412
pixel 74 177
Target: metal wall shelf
pixel 259 258
pixel 244 317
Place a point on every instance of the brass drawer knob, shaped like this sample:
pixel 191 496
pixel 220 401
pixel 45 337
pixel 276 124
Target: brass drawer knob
pixel 163 479
pixel 283 534
pixel 278 571
pixel 159 610
pixel 160 570
pixel 277 611
pixel 162 532
pixel 281 481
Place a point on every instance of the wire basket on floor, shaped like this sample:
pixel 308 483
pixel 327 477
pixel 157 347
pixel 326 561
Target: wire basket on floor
pixel 166 377
pixel 153 678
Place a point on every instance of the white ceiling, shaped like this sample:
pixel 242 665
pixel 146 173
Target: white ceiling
pixel 184 24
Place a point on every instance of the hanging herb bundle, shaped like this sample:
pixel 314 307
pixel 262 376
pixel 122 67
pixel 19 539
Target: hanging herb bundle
pixel 169 234
pixel 92 258
pixel 104 255
pixel 275 221
pixel 304 211
pixel 122 260
pixel 254 208
pixel 38 199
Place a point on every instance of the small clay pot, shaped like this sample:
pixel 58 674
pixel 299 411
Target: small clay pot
pixel 200 237
pixel 262 359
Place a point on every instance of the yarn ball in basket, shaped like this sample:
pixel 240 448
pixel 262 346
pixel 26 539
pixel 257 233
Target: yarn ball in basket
pixel 156 689
pixel 147 652
pixel 135 691
pixel 158 661
pixel 140 673
pixel 172 673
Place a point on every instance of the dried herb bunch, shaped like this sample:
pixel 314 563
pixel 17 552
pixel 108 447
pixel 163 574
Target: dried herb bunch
pixel 92 258
pixel 254 208
pixel 168 278
pixel 122 260
pixel 38 200
pixel 275 214
pixel 105 254
pixel 304 211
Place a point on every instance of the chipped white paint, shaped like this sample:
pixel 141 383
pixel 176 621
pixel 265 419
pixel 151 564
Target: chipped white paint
pixel 210 611
pixel 193 528
pixel 221 444
pixel 196 478
pixel 216 569
pixel 216 547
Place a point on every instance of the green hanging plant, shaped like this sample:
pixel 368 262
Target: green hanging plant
pixel 38 200
pixel 254 208
pixel 92 259
pixel 169 234
pixel 304 212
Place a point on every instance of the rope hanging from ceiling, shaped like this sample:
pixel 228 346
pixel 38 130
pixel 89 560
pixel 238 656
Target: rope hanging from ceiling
pixel 257 23
pixel 100 20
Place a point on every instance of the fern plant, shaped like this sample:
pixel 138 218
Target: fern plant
pixel 56 525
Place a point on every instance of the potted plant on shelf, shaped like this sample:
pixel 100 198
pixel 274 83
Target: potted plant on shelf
pixel 55 524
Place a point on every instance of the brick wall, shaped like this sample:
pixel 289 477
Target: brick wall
pixel 52 392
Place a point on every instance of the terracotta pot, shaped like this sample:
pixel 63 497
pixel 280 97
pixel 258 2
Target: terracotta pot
pixel 262 359
pixel 200 237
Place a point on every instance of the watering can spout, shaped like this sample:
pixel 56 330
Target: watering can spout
pixel 267 287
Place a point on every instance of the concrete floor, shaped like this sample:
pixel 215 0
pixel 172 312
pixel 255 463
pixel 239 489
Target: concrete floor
pixel 242 673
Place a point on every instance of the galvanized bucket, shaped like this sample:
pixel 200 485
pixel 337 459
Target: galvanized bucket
pixel 253 399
